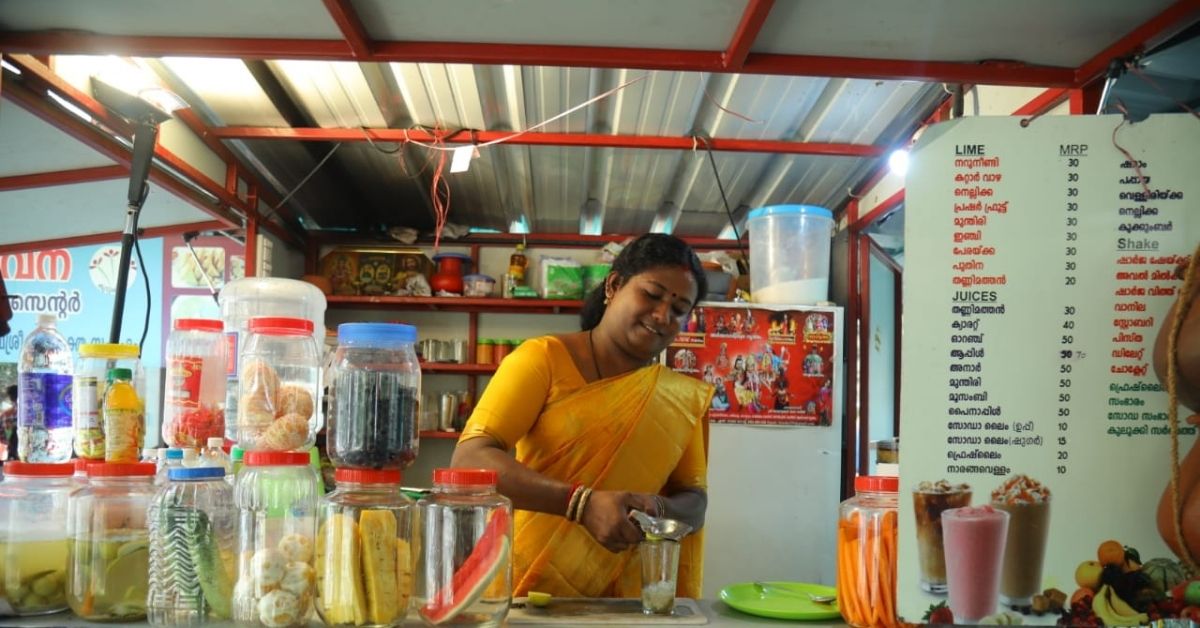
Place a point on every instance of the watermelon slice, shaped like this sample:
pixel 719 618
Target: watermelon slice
pixel 474 575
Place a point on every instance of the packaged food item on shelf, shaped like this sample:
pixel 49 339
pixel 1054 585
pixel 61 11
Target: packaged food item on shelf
pixel 44 394
pixel 124 418
pixel 88 386
pixel 464 565
pixel 278 386
pixel 485 351
pixel 518 264
pixel 373 392
pixel 562 278
pixel 867 560
pixel 364 550
pixel 193 538
pixel 276 496
pixel 109 546
pixel 194 404
pixel 33 537
pixel 476 285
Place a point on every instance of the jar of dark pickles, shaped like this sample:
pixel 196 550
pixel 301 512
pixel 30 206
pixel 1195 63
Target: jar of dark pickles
pixel 373 391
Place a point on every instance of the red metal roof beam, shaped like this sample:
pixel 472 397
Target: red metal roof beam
pixel 62 177
pixel 987 72
pixel 346 18
pixel 1157 29
pixel 591 140
pixel 747 31
pixel 109 236
pixel 984 72
pixel 96 139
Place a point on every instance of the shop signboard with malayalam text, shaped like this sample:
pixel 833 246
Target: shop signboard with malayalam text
pixel 770 365
pixel 1040 264
pixel 77 285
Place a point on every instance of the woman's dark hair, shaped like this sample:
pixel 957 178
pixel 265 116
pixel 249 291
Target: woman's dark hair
pixel 653 250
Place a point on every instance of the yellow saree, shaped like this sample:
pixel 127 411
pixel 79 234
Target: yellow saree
pixel 644 431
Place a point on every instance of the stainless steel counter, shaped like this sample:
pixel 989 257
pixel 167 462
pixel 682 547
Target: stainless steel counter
pixel 718 614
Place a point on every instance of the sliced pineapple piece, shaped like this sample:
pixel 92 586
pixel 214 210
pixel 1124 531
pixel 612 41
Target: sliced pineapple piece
pixel 339 579
pixel 378 531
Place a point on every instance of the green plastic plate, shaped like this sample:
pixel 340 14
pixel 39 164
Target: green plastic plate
pixel 788 601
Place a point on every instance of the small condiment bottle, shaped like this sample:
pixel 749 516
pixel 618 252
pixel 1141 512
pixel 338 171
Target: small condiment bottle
pixel 485 351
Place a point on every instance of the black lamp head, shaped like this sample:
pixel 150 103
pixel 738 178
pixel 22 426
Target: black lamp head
pixel 132 107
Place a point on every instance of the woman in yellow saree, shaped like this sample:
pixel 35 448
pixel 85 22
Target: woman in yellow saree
pixel 598 431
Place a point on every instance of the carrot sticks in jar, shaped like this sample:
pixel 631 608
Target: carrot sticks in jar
pixel 867 560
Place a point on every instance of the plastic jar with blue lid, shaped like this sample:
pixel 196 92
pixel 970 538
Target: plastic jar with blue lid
pixel 375 382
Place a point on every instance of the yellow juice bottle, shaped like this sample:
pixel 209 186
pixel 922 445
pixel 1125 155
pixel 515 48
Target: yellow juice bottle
pixel 124 418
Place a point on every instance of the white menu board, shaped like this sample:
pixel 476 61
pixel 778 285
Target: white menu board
pixel 1039 266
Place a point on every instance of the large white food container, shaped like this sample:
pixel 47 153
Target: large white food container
pixel 789 254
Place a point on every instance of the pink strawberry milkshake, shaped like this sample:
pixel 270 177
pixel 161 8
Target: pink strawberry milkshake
pixel 974 547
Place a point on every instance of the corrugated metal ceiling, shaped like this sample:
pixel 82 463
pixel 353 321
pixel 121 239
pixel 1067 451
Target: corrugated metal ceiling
pixel 549 187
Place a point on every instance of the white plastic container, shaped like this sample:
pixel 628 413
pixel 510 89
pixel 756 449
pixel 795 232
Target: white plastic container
pixel 247 298
pixel 789 254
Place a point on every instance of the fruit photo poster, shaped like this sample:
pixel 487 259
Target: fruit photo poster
pixel 770 366
pixel 1040 264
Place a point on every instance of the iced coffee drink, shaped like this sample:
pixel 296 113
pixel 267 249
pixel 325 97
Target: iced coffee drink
pixel 974 539
pixel 930 499
pixel 1027 503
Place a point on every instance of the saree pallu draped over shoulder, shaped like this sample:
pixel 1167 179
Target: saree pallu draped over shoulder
pixel 625 433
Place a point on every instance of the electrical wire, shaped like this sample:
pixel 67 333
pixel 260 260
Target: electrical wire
pixel 137 248
pixel 712 161
pixel 274 210
pixel 1132 67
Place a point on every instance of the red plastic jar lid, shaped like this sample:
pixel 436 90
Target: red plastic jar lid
pixel 275 458
pixel 281 325
pixel 368 476
pixel 198 324
pixel 876 484
pixel 39 469
pixel 465 477
pixel 121 469
pixel 81 464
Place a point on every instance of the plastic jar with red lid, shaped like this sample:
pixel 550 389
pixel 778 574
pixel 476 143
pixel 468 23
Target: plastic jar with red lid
pixel 867 559
pixel 278 386
pixel 194 403
pixel 276 493
pixel 365 541
pixel 33 537
pixel 109 546
pixel 464 566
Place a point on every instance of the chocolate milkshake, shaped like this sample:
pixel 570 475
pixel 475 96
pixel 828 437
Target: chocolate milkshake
pixel 930 499
pixel 1027 502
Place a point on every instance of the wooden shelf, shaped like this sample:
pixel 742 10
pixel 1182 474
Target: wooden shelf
pixel 461 369
pixel 457 304
pixel 440 435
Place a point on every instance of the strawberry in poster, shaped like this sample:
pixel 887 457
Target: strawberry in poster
pixel 769 367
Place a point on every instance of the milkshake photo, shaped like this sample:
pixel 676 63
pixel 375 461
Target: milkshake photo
pixel 930 500
pixel 1027 503
pixel 974 545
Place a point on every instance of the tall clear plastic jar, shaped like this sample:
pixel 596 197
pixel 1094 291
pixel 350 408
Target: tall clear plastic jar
pixel 88 386
pixel 278 386
pixel 375 383
pixel 194 403
pixel 243 299
pixel 33 537
pixel 867 558
pixel 464 566
pixel 109 546
pixel 364 557
pixel 276 496
pixel 193 540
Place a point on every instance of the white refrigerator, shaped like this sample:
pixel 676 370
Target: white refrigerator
pixel 775 441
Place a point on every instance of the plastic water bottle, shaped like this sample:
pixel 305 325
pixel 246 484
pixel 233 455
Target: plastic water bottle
pixel 44 394
pixel 214 455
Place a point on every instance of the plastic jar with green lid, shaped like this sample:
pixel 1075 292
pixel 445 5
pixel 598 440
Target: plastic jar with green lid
pixel 485 351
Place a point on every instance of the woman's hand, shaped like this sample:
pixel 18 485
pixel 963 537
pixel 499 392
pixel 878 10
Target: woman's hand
pixel 606 518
